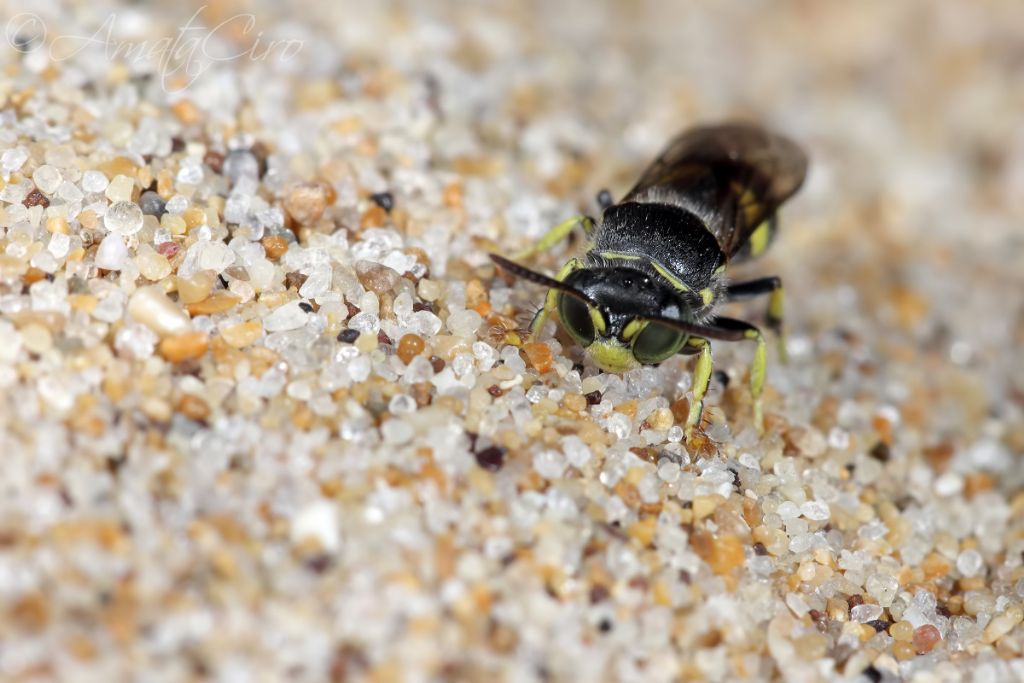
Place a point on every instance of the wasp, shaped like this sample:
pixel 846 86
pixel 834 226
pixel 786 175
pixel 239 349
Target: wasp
pixel 653 275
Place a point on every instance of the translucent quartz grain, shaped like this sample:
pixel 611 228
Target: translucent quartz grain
pixel 47 178
pixel 969 563
pixel 112 254
pixel 151 307
pixel 123 218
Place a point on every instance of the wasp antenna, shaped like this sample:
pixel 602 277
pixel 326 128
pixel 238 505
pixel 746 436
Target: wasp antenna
pixel 538 278
pixel 698 330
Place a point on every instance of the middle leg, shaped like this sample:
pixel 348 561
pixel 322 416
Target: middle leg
pixel 772 286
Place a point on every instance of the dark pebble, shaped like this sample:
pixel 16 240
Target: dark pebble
pixel 437 363
pixel 348 336
pixel 873 674
pixel 491 459
pixel 881 452
pixel 152 204
pixel 35 198
pixel 384 200
pixel 880 625
pixel 593 398
pixel 306 307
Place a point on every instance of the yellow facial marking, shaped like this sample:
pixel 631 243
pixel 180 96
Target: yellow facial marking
pixel 612 356
pixel 633 328
pixel 707 296
pixel 595 317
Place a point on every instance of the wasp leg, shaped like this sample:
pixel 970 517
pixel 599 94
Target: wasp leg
pixel 551 300
pixel 773 287
pixel 757 367
pixel 554 236
pixel 701 380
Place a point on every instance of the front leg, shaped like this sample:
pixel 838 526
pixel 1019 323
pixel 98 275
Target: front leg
pixel 555 235
pixel 551 300
pixel 701 380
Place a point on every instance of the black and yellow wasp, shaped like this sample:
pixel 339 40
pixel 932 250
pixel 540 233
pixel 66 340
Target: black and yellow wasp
pixel 654 272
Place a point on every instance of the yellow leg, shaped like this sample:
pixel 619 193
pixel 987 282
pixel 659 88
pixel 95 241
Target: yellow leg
pixel 551 300
pixel 701 380
pixel 757 372
pixel 775 307
pixel 554 236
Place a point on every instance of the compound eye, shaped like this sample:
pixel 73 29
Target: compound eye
pixel 656 342
pixel 576 319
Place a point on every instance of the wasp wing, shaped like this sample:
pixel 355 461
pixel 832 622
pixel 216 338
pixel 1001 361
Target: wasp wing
pixel 734 176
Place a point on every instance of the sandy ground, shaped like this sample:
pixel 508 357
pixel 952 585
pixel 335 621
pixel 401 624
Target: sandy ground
pixel 263 414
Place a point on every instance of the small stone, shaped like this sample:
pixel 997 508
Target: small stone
pixel 289 316
pixel 902 630
pixel 883 588
pixel 35 198
pixel 464 323
pixel 47 178
pixel 539 356
pixel 926 638
pixel 13 159
pixel 410 346
pixel 112 254
pixel 275 246
pixel 1003 623
pixel 491 458
pixel 36 338
pixel 306 203
pixel 152 204
pixel 152 265
pixel 865 613
pixel 151 307
pixel 186 346
pixel 193 407
pixel 970 563
pixel 317 522
pixel 429 290
pixel 815 510
pixel 94 181
pixel 349 336
pixel 903 651
pixel 240 164
pixel 123 218
pixel 384 200
pixel 195 288
pixel 242 334
pixel 217 302
pixel 120 189
pixel 396 432
pixel 376 278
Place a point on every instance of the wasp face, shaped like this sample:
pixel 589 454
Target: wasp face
pixel 617 330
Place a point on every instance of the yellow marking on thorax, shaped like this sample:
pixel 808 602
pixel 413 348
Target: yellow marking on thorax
pixel 660 269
